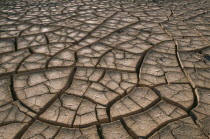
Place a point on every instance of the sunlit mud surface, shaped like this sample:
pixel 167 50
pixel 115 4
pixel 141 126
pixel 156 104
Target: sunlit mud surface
pixel 104 69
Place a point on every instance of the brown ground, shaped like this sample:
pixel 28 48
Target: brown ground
pixel 104 69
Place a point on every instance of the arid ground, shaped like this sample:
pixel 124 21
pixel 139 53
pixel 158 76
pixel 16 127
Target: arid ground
pixel 104 69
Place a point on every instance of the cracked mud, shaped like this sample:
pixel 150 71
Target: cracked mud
pixel 103 69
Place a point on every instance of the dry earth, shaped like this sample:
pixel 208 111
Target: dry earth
pixel 104 69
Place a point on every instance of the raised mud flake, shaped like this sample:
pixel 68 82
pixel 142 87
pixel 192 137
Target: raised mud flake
pixel 9 33
pixel 31 40
pixel 202 111
pixel 40 130
pixel 151 75
pixel 176 77
pixel 154 14
pixel 53 38
pixel 199 77
pixel 194 13
pixel 37 29
pixel 178 29
pixel 150 26
pixel 120 19
pixel 181 129
pixel 151 33
pixel 5 91
pixel 102 12
pixel 86 114
pixel 157 38
pixel 53 48
pixel 87 61
pixel 10 61
pixel 89 74
pixel 172 28
pixel 7 45
pixel 15 112
pixel 195 59
pixel 159 68
pixel 192 43
pixel 141 125
pixel 147 25
pixel 112 25
pixel 88 40
pixel 11 131
pixel 59 17
pixel 36 89
pixel 38 19
pixel 181 94
pixel 122 36
pixel 69 22
pixel 135 46
pixel 65 35
pixel 200 25
pixel 167 47
pixel 100 94
pixel 64 58
pixel 34 61
pixel 88 17
pixel 102 32
pixel 121 82
pixel 78 133
pixel 62 111
pixel 138 100
pixel 89 56
pixel 96 20
pixel 88 27
pixel 95 50
pixel 6 21
pixel 14 115
pixel 114 130
pixel 78 87
pixel 73 111
pixel 119 60
pixel 163 59
pixel 166 51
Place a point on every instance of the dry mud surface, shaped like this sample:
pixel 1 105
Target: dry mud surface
pixel 104 69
